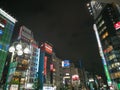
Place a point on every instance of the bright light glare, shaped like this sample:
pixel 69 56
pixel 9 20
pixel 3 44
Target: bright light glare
pixel 11 49
pixel 20 52
pixel 18 46
pixel 88 4
pixel 26 51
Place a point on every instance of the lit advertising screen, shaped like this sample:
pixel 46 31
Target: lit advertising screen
pixel 75 77
pixel 1 32
pixel 117 25
pixel 65 63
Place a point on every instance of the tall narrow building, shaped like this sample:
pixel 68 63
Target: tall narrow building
pixel 26 36
pixel 7 24
pixel 26 69
pixel 107 30
pixel 46 65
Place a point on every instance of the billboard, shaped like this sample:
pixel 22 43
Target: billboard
pixel 47 48
pixel 65 63
pixel 25 34
pixel 117 25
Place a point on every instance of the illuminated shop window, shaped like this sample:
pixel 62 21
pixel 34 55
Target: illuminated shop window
pixel 17 73
pixel 25 62
pixel 22 80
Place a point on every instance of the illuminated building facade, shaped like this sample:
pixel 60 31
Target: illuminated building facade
pixel 32 72
pixel 57 72
pixel 27 67
pixel 66 72
pixel 7 24
pixel 107 30
pixel 46 65
pixel 26 35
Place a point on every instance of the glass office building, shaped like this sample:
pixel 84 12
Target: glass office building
pixel 107 22
pixel 7 24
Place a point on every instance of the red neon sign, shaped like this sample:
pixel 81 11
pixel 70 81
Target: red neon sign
pixel 47 48
pixel 51 67
pixel 117 25
pixel 45 65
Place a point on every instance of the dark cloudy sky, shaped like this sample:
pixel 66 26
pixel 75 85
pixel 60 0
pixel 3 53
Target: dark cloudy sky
pixel 64 23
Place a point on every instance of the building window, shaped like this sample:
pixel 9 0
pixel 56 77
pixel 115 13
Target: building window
pixel 104 35
pixel 113 56
pixel 102 30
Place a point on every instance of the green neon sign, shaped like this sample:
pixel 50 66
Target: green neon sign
pixel 107 73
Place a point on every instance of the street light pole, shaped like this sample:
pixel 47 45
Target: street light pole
pixel 16 48
pixel 11 60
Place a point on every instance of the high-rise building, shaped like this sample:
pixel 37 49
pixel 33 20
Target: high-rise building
pixel 46 65
pixel 107 30
pixel 57 72
pixel 32 72
pixel 7 24
pixel 109 1
pixel 26 70
pixel 26 36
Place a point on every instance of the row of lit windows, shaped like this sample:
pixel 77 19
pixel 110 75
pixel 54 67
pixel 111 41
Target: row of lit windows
pixel 109 49
pixel 18 80
pixel 111 57
pixel 102 30
pixel 19 73
pixel 99 19
pixel 104 35
pixel 101 23
pixel 114 65
pixel 114 55
pixel 115 75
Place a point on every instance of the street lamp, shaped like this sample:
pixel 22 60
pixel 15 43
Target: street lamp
pixel 17 48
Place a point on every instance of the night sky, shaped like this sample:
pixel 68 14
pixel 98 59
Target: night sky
pixel 64 23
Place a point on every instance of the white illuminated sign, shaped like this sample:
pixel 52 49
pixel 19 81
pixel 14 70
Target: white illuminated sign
pixel 7 16
pixel 1 25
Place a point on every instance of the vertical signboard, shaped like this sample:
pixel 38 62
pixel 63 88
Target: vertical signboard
pixel 25 34
pixel 65 63
pixel 45 65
